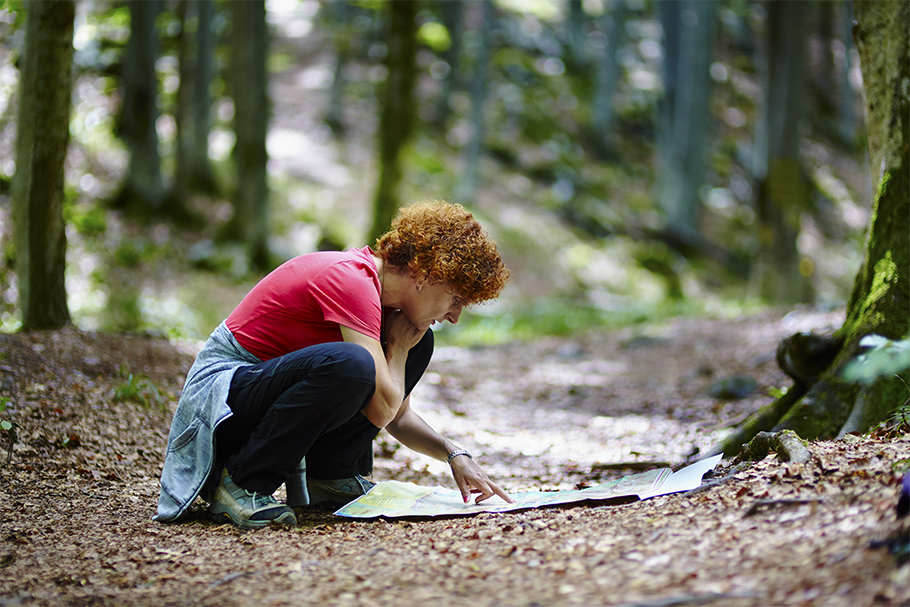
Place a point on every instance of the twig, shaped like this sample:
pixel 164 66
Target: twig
pixel 718 481
pixel 31 352
pixel 759 504
pixel 702 598
pixel 228 578
pixel 642 466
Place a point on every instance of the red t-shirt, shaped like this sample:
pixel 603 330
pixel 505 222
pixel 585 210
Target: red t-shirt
pixel 303 302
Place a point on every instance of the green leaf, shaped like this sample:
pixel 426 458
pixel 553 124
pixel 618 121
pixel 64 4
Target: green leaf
pixel 886 358
pixel 6 425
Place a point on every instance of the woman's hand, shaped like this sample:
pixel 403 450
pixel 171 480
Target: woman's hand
pixel 470 478
pixel 416 434
pixel 399 332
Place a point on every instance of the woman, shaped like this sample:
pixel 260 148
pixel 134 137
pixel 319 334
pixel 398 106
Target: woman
pixel 316 359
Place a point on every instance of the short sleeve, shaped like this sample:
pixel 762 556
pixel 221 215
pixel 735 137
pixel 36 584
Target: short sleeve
pixel 348 294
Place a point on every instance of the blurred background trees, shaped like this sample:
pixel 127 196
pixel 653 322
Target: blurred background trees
pixel 634 158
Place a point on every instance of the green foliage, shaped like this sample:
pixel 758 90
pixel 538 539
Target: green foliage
pixel 538 163
pixel 777 393
pixel 552 316
pixel 8 426
pixel 434 35
pixel 5 424
pixel 137 389
pixel 886 358
pixel 15 10
pixel 128 255
pixel 88 220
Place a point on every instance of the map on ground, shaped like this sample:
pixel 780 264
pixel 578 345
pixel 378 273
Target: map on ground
pixel 396 499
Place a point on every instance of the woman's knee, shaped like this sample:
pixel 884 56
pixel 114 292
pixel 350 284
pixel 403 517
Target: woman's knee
pixel 353 362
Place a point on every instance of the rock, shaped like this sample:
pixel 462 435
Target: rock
pixel 734 387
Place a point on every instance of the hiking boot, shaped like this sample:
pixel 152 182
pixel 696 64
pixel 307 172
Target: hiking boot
pixel 334 494
pixel 247 509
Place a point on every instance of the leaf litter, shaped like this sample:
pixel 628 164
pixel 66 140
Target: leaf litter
pixel 77 498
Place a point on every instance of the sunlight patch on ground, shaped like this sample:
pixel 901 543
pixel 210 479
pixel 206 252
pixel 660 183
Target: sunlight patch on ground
pixel 588 373
pixel 525 446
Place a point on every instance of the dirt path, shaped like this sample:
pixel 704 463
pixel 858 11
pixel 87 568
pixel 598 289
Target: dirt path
pixel 77 499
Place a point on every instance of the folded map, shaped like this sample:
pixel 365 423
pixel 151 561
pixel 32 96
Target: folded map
pixel 396 499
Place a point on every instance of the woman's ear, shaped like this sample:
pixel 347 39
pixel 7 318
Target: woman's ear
pixel 420 279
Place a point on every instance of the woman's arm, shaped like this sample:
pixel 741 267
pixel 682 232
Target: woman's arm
pixel 413 432
pixel 400 335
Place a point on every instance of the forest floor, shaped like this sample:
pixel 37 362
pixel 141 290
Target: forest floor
pixel 77 496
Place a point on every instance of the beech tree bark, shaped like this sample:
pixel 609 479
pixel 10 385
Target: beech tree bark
pixel 42 139
pixel 452 16
pixel 143 191
pixel 607 76
pixel 685 111
pixel 783 192
pixel 477 91
pixel 249 81
pixel 880 300
pixel 397 119
pixel 196 51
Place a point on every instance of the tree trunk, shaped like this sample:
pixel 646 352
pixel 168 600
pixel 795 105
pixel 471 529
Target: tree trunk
pixel 880 300
pixel 193 115
pixel 685 114
pixel 451 14
pixel 783 193
pixel 143 189
pixel 824 76
pixel 341 11
pixel 249 49
pixel 577 44
pixel 397 119
pixel 42 139
pixel 846 95
pixel 612 24
pixel 477 88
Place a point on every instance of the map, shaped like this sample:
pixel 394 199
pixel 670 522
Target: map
pixel 396 499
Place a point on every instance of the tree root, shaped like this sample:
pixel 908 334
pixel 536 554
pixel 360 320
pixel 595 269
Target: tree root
pixel 763 420
pixel 716 482
pixel 786 443
pixel 810 360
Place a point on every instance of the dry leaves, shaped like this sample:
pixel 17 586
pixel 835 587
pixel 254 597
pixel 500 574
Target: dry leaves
pixel 77 500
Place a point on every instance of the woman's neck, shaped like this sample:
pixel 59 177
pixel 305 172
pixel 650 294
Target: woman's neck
pixel 393 285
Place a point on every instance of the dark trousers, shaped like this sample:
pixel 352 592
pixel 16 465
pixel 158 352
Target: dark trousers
pixel 305 403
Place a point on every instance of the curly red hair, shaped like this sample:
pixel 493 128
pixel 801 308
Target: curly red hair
pixel 442 242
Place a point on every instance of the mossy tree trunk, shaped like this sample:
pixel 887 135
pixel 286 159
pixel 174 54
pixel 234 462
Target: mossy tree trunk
pixel 452 16
pixel 142 192
pixel 42 140
pixel 196 53
pixel 249 82
pixel 606 80
pixel 483 15
pixel 880 302
pixel 397 119
pixel 783 193
pixel 684 121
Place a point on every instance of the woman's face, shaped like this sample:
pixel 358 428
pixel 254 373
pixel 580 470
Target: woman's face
pixel 432 303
